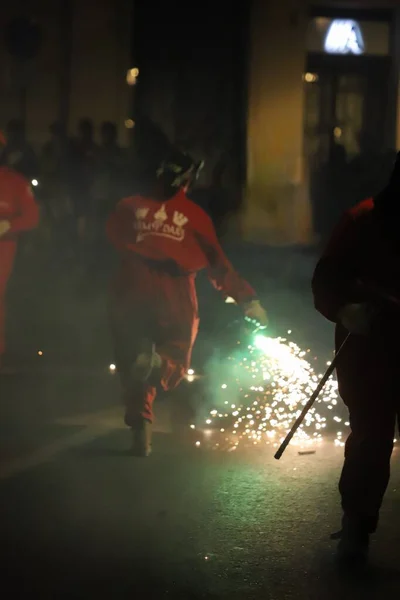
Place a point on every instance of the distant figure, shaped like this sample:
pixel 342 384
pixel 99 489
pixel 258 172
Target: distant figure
pixel 18 213
pixel 18 154
pixel 110 171
pixel 55 187
pixel 215 199
pixel 84 157
pixel 163 240
pixel 55 171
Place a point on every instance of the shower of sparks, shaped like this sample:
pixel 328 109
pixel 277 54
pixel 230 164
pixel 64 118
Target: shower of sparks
pixel 271 382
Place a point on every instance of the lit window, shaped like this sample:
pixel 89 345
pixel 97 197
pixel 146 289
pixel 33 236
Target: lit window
pixel 344 37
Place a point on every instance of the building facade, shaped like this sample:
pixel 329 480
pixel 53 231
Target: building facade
pixel 323 88
pixel 79 70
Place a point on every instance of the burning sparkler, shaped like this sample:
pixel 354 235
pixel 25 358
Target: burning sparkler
pixel 270 383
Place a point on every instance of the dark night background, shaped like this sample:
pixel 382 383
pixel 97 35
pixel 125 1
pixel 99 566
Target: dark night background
pixel 193 80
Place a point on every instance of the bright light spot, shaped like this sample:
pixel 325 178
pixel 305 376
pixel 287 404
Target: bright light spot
pixel 112 368
pixel 344 37
pixel 129 124
pixel 193 427
pixel 190 378
pixel 197 444
pixel 337 132
pixel 224 386
pixel 40 353
pixel 132 75
pixel 190 372
pixel 230 300
pixel 35 182
pixel 310 77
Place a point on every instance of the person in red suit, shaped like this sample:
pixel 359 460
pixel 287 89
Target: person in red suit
pixel 356 285
pixel 18 213
pixel 163 240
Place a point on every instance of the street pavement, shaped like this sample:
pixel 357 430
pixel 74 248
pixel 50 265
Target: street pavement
pixel 80 518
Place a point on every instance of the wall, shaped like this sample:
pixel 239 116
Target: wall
pixel 40 74
pixel 92 77
pixel 100 60
pixel 276 208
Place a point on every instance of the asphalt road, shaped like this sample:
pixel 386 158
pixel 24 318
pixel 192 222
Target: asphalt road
pixel 82 519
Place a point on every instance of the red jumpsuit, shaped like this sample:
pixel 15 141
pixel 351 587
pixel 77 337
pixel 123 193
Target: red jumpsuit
pixel 368 369
pixel 18 206
pixel 162 246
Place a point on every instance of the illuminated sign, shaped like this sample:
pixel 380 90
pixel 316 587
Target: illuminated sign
pixel 344 36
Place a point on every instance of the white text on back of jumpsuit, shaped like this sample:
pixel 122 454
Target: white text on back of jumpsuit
pixel 159 227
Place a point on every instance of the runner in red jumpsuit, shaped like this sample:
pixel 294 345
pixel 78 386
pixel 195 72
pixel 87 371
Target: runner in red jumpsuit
pixel 357 285
pixel 18 213
pixel 163 241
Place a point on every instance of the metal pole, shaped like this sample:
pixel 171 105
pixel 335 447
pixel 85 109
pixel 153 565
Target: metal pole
pixel 310 403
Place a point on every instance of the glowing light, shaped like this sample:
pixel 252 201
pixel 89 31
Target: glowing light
pixel 273 383
pixel 337 132
pixel 132 75
pixel 344 36
pixel 129 124
pixel 190 372
pixel 230 300
pixel 35 182
pixel 197 444
pixel 112 368
pixel 310 77
pixel 40 353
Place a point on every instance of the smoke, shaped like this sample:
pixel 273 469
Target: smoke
pixel 221 387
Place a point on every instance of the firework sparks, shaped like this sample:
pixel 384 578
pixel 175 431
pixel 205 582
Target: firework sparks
pixel 271 382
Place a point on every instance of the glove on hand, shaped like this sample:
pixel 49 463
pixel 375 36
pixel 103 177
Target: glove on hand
pixel 254 311
pixel 356 318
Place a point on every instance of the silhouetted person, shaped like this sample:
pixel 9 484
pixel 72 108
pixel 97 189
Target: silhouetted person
pixel 356 285
pixel 83 170
pixel 55 169
pixel 110 171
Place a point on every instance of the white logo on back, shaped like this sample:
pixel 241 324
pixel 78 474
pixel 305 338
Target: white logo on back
pixel 159 227
pixel 141 213
pixel 179 219
pixel 161 215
